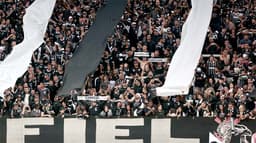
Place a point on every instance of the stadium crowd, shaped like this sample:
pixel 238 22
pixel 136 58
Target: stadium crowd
pixel 224 79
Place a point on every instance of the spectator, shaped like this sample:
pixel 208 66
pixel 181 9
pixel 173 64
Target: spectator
pixel 81 112
pixel 16 111
pixel 94 109
pixel 160 112
pixel 203 110
pixel 221 111
pixel 26 111
pixel 232 111
pixel 189 109
pixel 242 113
pixel 106 112
pixel 150 110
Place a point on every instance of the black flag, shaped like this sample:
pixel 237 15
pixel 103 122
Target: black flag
pixel 87 57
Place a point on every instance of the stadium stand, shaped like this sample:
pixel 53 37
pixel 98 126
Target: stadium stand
pixel 135 62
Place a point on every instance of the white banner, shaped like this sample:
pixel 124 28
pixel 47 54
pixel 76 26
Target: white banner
pixel 182 67
pixel 141 54
pixel 35 23
pixel 92 98
pixel 157 60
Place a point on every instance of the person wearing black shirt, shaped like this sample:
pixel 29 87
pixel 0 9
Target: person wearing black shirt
pixel 200 78
pixel 16 111
pixel 231 111
pixel 94 109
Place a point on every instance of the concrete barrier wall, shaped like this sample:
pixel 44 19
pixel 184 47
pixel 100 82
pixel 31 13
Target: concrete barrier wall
pixel 119 130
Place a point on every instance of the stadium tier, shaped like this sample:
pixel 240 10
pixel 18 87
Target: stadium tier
pixel 107 59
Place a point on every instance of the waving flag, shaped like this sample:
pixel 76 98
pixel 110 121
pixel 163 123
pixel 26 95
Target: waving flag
pixel 88 55
pixel 182 67
pixel 35 23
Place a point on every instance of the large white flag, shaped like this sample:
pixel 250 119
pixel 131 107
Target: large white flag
pixel 35 23
pixel 182 67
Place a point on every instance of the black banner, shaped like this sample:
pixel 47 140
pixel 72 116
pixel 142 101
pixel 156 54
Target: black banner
pixel 135 130
pixel 87 57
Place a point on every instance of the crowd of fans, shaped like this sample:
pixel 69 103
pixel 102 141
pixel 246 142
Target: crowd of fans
pixel 224 79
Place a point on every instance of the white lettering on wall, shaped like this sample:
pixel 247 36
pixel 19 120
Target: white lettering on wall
pixel 106 130
pixel 16 130
pixel 74 131
pixel 161 132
